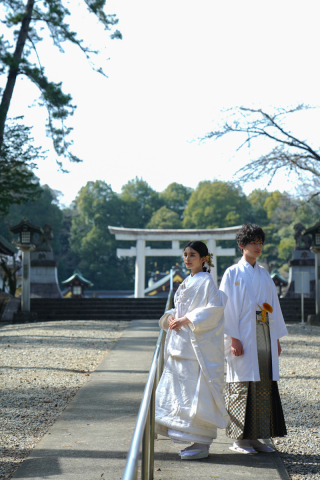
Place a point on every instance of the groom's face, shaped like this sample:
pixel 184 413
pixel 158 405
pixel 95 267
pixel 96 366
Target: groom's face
pixel 252 249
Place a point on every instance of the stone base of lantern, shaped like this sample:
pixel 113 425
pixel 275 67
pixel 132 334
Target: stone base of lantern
pixel 314 319
pixel 25 317
pixel 45 290
pixel 302 261
pixel 44 276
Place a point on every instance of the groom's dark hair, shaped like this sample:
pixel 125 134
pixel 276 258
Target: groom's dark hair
pixel 249 232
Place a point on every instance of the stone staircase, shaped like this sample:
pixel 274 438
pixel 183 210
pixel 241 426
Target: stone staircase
pixel 291 308
pixel 135 308
pixel 48 309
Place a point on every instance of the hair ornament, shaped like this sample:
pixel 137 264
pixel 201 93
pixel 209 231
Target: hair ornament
pixel 209 259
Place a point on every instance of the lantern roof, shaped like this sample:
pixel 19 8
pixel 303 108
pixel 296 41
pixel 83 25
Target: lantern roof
pixel 77 276
pixel 314 229
pixel 275 274
pixel 25 222
pixel 6 248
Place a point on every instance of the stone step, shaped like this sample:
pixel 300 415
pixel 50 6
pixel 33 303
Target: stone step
pixel 297 308
pixel 97 316
pixel 291 308
pixel 114 299
pixel 297 301
pixel 103 316
pixel 98 309
pixel 65 303
pixel 96 305
pixel 149 311
pixel 62 308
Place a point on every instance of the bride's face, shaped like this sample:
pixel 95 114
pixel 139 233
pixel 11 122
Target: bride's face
pixel 193 261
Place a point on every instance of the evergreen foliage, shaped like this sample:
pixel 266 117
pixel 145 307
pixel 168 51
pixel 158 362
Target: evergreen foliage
pixel 43 210
pixel 140 202
pixel 176 197
pixel 82 239
pixel 216 204
pixel 18 184
pixel 165 218
pixel 96 207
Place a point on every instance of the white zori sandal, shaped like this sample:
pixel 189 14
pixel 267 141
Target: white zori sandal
pixel 195 452
pixel 261 447
pixel 243 446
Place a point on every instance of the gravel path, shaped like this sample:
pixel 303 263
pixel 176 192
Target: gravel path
pixel 43 365
pixel 300 395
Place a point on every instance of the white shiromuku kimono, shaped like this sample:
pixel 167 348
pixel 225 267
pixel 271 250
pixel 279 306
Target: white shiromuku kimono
pixel 189 398
pixel 246 287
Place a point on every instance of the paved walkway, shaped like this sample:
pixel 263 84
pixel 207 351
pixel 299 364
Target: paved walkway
pixel 91 438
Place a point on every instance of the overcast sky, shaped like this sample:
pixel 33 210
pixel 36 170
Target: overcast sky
pixel 178 65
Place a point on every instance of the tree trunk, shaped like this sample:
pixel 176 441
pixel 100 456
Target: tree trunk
pixel 10 277
pixel 14 69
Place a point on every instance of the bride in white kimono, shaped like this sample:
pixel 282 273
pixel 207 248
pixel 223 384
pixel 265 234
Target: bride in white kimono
pixel 189 399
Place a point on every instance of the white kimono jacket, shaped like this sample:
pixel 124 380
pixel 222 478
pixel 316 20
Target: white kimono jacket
pixel 246 287
pixel 189 396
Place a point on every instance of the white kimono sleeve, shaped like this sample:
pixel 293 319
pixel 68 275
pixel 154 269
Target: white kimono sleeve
pixel 205 318
pixel 231 315
pixel 163 322
pixel 277 313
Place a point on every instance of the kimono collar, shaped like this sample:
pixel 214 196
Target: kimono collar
pixel 247 264
pixel 185 291
pixel 250 274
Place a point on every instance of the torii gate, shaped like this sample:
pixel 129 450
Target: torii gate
pixel 140 251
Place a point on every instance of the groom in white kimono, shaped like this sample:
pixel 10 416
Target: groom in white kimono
pixel 253 326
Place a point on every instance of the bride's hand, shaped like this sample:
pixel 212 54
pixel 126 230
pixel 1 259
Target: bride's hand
pixel 171 320
pixel 177 323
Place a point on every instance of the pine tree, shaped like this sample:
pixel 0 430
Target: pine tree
pixel 25 23
pixel 27 18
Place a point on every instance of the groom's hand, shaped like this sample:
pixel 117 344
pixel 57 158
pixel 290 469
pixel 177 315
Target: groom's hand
pixel 236 347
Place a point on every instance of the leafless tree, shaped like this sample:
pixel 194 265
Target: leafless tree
pixel 289 152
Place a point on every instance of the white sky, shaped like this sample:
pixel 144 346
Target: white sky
pixel 178 65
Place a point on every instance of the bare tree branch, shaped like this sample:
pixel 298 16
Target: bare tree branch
pixel 290 153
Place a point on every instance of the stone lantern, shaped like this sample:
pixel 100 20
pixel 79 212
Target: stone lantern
pixel 315 248
pixel 26 231
pixel 77 283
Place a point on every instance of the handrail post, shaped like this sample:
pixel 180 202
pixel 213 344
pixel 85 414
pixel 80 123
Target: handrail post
pixel 146 449
pixel 152 423
pixel 163 341
pixel 160 359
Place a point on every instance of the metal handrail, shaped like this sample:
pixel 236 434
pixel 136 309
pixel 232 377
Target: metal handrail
pixel 144 429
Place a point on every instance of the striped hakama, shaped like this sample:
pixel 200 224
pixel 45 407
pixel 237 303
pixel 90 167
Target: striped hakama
pixel 255 407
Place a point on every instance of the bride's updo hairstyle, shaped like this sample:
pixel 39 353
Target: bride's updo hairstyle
pixel 202 249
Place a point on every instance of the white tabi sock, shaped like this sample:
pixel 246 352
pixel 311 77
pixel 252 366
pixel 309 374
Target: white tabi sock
pixel 255 443
pixel 195 446
pixel 242 443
